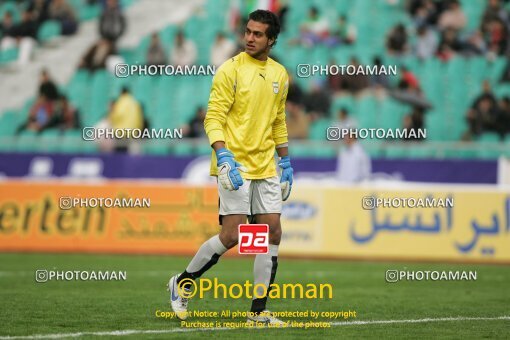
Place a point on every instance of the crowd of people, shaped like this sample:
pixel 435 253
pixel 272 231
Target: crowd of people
pixel 112 25
pixel 488 113
pixel 125 112
pixel 316 29
pixel 51 109
pixel 184 52
pixel 23 35
pixel 439 29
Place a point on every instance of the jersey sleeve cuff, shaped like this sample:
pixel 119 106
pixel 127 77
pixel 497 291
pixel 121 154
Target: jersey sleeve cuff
pixel 281 140
pixel 215 135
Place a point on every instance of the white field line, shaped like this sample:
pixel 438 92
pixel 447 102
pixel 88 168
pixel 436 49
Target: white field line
pixel 181 330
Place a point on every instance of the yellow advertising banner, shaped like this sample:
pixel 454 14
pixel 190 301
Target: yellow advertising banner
pixel 439 223
pixel 432 224
pixel 178 220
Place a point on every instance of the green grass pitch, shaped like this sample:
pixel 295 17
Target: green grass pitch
pixel 88 307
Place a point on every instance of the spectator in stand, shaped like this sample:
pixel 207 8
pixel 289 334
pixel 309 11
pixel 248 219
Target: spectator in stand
pixel 318 102
pixel 40 115
pixel 183 52
pixel 65 115
pixel 396 42
pixel 487 113
pixel 40 9
pixel 156 52
pixel 335 81
pixel 353 165
pixel 450 39
pixel 379 81
pixel 126 114
pixel 47 87
pixel 95 58
pixel 409 90
pixel 295 93
pixel 482 115
pixel 352 83
pixel 357 82
pixel 504 116
pixel 412 6
pixel 445 52
pixel 342 33
pixel 298 122
pixel 6 26
pixel 414 121
pixel 222 49
pixel 63 12
pixel 408 81
pixel 494 11
pixel 496 37
pixel 505 77
pixel 22 36
pixel 426 43
pixel 487 93
pixel 282 11
pixel 453 17
pixel 314 29
pixel 112 23
pixel 195 127
pixel 424 12
pixel 146 121
pixel 344 121
pixel 474 45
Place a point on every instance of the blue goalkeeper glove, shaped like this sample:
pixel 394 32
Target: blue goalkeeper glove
pixel 228 173
pixel 286 178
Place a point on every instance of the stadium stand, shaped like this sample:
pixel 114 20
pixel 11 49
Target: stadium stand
pixel 448 86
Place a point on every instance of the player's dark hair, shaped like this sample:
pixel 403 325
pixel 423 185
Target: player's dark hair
pixel 268 18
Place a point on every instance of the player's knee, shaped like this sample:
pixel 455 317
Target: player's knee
pixel 229 240
pixel 275 234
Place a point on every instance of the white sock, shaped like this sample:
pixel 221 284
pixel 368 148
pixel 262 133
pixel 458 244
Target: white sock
pixel 264 272
pixel 206 256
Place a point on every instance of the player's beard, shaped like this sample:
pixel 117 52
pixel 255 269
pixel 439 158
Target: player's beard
pixel 259 53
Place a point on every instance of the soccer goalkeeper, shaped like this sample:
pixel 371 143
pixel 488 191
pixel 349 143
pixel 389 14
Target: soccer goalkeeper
pixel 245 124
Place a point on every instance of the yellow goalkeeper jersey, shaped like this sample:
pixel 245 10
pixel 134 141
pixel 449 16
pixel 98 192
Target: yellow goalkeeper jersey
pixel 247 111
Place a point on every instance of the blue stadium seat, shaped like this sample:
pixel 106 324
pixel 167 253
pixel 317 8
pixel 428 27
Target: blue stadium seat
pixel 319 128
pixel 170 102
pixel 27 141
pixel 8 56
pixel 9 122
pixel 49 30
pixel 489 137
pixel 50 140
pixel 72 141
pixel 182 149
pixel 10 6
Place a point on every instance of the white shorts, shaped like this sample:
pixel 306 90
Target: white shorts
pixel 255 196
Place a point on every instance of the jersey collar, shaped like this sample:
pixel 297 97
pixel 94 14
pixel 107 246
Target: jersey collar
pixel 255 61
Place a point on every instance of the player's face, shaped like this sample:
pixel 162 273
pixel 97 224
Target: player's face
pixel 257 42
